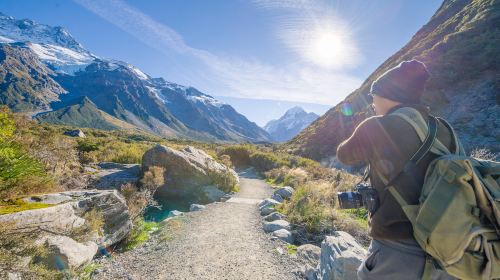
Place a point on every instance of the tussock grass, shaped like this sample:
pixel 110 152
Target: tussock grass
pixel 18 205
pixel 140 233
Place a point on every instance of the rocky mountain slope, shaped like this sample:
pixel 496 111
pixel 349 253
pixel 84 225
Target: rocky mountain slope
pixel 460 47
pixel 43 68
pixel 290 124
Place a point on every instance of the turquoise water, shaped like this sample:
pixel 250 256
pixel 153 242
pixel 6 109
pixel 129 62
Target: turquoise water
pixel 157 214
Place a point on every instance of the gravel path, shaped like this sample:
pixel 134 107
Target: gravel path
pixel 223 241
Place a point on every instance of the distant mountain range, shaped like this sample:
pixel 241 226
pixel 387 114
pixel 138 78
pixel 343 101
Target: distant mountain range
pixel 460 46
pixel 45 72
pixel 290 124
pixel 261 111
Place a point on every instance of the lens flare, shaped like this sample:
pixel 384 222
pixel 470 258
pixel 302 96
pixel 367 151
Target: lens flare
pixel 346 109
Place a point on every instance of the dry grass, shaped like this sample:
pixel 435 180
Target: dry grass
pixel 171 227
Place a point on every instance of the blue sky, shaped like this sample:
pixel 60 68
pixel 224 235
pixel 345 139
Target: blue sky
pixel 293 50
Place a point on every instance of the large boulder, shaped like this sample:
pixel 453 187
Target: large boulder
pixel 285 192
pixel 283 235
pixel 268 202
pixel 66 253
pixel 274 216
pixel 276 225
pixel 308 256
pixel 68 213
pixel 188 170
pixel 75 133
pixel 112 175
pixel 340 258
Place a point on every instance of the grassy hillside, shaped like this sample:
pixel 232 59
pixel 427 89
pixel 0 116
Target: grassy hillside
pixel 84 114
pixel 460 47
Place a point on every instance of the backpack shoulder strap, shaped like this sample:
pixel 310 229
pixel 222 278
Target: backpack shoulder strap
pixel 459 149
pixel 414 118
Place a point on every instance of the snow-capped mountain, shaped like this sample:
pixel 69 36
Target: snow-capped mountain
pixel 290 124
pixel 53 45
pixel 62 72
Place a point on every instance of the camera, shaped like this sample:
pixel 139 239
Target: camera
pixel 364 195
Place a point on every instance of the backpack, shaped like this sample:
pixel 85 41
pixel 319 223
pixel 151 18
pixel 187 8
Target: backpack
pixel 457 220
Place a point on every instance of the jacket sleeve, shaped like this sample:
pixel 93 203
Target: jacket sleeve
pixel 359 147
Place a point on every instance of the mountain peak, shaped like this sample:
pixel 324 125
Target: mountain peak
pixel 290 124
pixel 294 110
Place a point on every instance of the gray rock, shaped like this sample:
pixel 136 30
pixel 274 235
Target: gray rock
pixel 113 175
pixel 268 202
pixel 340 257
pixel 175 213
pixel 196 207
pixel 266 210
pixel 285 192
pixel 284 235
pixel 212 193
pixel 62 218
pixel 277 197
pixel 75 133
pixel 310 273
pixel 276 225
pixel 66 252
pixel 274 216
pixel 309 253
pixel 188 170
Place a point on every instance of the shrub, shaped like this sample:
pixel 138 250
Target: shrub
pixel 226 160
pixel 136 200
pixel 266 161
pixel 225 180
pixel 295 177
pixel 20 173
pixel 312 205
pixel 239 155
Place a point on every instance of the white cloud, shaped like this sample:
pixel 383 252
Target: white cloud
pixel 233 76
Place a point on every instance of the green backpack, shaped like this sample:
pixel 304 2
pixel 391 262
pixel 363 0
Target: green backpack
pixel 457 220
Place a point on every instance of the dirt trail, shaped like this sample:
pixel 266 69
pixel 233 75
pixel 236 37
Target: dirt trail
pixel 223 241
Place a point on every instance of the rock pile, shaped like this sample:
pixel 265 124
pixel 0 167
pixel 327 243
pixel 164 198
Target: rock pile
pixel 67 215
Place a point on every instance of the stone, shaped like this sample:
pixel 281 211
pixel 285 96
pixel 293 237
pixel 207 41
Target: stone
pixel 196 207
pixel 212 193
pixel 266 210
pixel 309 253
pixel 340 257
pixel 66 253
pixel 187 171
pixel 285 192
pixel 310 273
pixel 13 276
pixel 174 213
pixel 113 175
pixel 268 202
pixel 274 216
pixel 284 235
pixel 63 218
pixel 276 225
pixel 277 197
pixel 75 133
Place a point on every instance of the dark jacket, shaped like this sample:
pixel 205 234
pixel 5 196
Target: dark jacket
pixel 387 143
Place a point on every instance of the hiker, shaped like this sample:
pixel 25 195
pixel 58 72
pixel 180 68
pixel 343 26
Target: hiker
pixel 387 142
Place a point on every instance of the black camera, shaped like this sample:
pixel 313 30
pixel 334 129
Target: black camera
pixel 364 195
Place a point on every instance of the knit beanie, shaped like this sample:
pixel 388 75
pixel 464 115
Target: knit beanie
pixel 404 83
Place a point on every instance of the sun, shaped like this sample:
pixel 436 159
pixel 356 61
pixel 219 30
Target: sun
pixel 329 48
pixel 330 45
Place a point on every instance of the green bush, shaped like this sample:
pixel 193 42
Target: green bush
pixel 239 155
pixel 266 161
pixel 19 172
